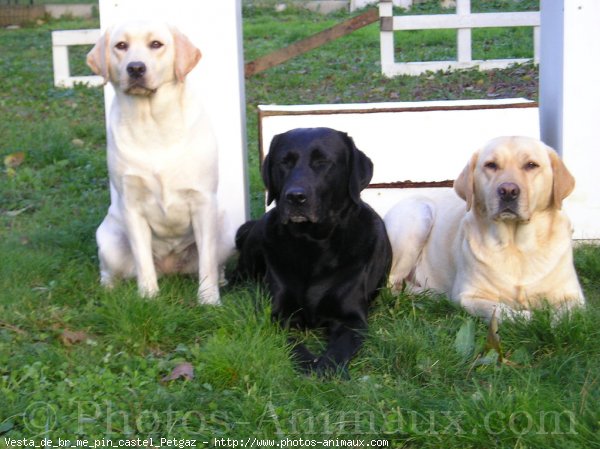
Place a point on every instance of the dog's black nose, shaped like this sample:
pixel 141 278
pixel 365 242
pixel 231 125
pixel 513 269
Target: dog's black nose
pixel 136 69
pixel 508 191
pixel 296 196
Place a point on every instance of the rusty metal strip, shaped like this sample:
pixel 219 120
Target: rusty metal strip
pixel 401 109
pixel 411 184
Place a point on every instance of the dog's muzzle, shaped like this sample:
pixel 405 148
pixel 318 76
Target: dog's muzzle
pixel 508 201
pixel 136 71
pixel 296 207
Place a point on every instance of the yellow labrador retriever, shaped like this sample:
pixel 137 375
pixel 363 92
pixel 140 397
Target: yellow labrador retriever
pixel 501 243
pixel 162 163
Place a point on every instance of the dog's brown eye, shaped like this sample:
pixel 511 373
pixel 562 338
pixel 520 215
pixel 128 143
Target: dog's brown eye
pixel 121 46
pixel 531 166
pixel 156 45
pixel 491 166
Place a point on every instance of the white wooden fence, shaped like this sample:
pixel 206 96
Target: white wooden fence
pixel 463 21
pixel 61 41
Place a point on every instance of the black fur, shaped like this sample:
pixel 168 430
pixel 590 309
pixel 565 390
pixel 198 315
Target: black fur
pixel 322 251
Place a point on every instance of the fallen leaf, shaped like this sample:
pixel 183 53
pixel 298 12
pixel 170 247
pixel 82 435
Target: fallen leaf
pixel 12 327
pixel 487 359
pixel 14 160
pixel 183 370
pixel 14 213
pixel 6 426
pixel 70 338
pixel 492 353
pixel 464 343
pixel 493 338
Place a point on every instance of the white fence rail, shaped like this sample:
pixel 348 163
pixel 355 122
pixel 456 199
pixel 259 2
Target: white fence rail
pixel 463 21
pixel 61 41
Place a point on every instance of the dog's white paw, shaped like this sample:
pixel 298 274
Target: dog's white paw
pixel 209 296
pixel 148 289
pixel 107 280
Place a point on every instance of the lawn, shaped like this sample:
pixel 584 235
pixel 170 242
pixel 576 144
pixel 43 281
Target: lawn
pixel 79 363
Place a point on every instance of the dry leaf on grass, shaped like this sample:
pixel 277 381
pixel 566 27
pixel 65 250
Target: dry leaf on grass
pixel 16 213
pixel 12 328
pixel 183 370
pixel 492 353
pixel 493 338
pixel 14 160
pixel 70 338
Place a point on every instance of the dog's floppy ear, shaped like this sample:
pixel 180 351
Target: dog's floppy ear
pixel 361 170
pixel 464 185
pixel 98 59
pixel 563 181
pixel 269 178
pixel 187 54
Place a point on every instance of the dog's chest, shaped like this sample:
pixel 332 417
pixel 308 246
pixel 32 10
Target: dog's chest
pixel 519 276
pixel 165 186
pixel 311 273
pixel 164 203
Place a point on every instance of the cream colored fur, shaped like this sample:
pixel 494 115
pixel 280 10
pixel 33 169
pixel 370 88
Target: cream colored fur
pixel 162 164
pixel 466 244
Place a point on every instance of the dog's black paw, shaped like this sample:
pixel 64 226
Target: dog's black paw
pixel 304 360
pixel 326 368
pixel 323 367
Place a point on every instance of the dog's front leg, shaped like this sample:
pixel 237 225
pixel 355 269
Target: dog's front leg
pixel 205 224
pixel 140 239
pixel 345 339
pixel 486 309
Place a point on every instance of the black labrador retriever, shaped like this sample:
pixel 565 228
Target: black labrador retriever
pixel 322 251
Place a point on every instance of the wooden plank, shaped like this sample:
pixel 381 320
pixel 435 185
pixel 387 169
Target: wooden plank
pixel 297 48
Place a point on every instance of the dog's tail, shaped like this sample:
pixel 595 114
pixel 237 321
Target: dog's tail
pixel 242 234
pixel 251 263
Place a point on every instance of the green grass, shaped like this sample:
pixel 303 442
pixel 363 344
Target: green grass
pixel 412 384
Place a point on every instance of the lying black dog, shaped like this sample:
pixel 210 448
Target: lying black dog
pixel 322 251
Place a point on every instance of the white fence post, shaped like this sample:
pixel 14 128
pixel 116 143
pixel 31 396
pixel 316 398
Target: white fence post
pixel 570 101
pixel 463 37
pixel 386 39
